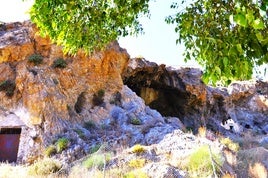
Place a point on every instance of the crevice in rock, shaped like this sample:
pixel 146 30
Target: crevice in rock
pixel 80 102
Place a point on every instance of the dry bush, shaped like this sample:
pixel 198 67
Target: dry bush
pixel 138 149
pixel 44 167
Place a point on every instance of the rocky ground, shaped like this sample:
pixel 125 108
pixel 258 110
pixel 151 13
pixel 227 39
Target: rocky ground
pixel 135 140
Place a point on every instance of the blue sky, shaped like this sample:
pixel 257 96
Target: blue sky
pixel 158 44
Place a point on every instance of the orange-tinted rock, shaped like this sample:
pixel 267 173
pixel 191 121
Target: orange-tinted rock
pixel 48 94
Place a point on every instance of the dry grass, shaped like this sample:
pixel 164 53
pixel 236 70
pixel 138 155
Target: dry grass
pixel 12 171
pixel 202 131
pixel 200 164
pixel 258 171
pixel 230 144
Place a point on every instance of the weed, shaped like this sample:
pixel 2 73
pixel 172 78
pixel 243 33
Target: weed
pixel 45 166
pixel 36 59
pixel 61 144
pixel 138 149
pixel 200 163
pixel 230 144
pixel 59 63
pixel 136 163
pixel 97 160
pixel 50 150
pixel 8 86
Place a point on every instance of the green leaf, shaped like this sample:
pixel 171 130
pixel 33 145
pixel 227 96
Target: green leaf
pixel 258 24
pixel 241 20
pixel 225 62
pixel 218 70
pixel 239 48
pixel 250 16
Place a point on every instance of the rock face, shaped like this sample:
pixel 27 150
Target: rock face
pixel 181 93
pixel 46 98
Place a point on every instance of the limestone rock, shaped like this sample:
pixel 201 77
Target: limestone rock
pixel 50 98
pixel 181 93
pixel 162 171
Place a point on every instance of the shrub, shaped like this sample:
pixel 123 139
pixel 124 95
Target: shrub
pixel 97 160
pixel 97 99
pixel 61 144
pixel 59 63
pixel 8 86
pixel 45 167
pixel 200 163
pixel 230 144
pixel 135 121
pixel 138 149
pixel 136 163
pixel 36 59
pixel 50 150
pixel 90 125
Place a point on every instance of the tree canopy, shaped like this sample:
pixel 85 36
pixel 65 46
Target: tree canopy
pixel 87 24
pixel 227 38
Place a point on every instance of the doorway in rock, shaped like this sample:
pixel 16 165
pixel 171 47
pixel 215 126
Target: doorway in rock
pixel 9 144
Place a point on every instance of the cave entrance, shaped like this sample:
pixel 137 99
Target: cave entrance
pixel 9 144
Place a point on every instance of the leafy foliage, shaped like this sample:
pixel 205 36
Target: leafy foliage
pixel 227 38
pixel 87 24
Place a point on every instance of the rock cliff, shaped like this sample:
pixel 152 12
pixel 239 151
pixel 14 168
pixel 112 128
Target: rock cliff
pixel 181 93
pixel 45 97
